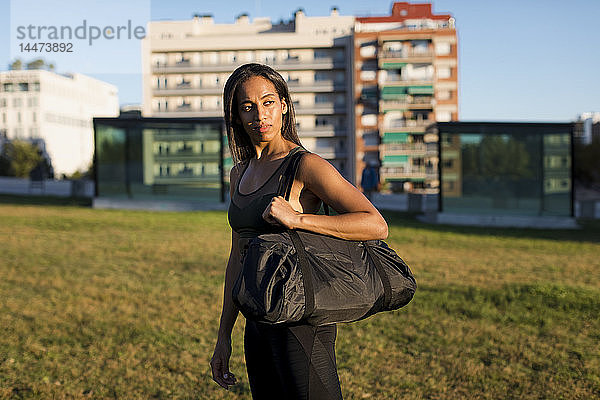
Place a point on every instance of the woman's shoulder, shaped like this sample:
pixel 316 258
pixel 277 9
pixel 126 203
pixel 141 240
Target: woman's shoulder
pixel 312 166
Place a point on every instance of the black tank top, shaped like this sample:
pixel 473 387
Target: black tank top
pixel 246 209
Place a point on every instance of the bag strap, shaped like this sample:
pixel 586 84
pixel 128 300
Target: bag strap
pixel 285 184
pixel 285 188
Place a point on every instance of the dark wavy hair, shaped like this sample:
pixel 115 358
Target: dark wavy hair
pixel 240 145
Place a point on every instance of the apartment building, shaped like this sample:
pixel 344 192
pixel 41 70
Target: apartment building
pixel 39 105
pixel 406 78
pixel 186 64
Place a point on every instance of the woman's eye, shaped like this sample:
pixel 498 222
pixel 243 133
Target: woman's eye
pixel 246 108
pixel 268 102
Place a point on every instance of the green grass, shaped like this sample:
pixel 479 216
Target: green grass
pixel 125 304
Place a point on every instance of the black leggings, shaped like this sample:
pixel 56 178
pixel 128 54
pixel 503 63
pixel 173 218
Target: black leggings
pixel 294 362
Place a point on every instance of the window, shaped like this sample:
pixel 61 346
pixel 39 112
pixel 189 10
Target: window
pixel 8 87
pixel 36 86
pixel 16 102
pixel 368 51
pixel 444 95
pixel 321 98
pixel 442 48
pixel 444 72
pixel 2 103
pixel 321 76
pixel 24 87
pixel 443 116
pixel 368 75
pixel 34 117
pixel 369 119
pixel 322 121
pixel 322 53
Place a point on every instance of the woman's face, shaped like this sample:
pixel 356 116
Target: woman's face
pixel 260 109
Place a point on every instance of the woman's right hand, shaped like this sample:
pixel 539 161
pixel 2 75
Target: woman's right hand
pixel 220 363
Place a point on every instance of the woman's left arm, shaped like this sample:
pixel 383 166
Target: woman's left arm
pixel 358 219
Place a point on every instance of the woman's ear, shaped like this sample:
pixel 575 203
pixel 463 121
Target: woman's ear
pixel 284 106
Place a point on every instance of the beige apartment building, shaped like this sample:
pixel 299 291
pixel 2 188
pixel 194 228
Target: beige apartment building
pixel 406 78
pixel 186 64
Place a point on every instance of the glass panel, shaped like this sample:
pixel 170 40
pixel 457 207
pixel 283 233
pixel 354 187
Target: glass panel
pixel 557 180
pixel 512 173
pixel 110 159
pixel 160 161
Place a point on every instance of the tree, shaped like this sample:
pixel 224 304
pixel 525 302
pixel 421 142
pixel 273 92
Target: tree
pixel 16 65
pixel 36 64
pixel 18 158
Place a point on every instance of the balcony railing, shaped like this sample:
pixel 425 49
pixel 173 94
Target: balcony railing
pixel 291 63
pixel 295 86
pixel 414 102
pixel 391 80
pixel 320 108
pixel 410 123
pixel 405 147
pixel 406 53
pixel 410 171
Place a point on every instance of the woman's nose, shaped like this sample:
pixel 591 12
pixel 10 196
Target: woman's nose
pixel 260 113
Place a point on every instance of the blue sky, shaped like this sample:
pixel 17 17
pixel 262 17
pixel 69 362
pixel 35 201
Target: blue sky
pixel 518 60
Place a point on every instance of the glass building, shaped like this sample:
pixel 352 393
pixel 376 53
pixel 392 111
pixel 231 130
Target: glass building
pixel 160 159
pixel 512 169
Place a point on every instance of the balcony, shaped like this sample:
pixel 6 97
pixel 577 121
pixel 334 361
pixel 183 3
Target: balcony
pixel 184 107
pixel 290 64
pixel 431 173
pixel 414 55
pixel 410 125
pixel 402 80
pixel 407 103
pixel 330 152
pixel 325 86
pixel 319 109
pixel 404 148
pixel 322 131
pixel 403 172
pixel 189 90
pixel 189 112
pixel 190 156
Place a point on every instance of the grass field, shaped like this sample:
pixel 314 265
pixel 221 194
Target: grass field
pixel 125 304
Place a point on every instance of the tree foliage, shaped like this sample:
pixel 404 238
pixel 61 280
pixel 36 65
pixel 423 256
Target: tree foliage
pixel 18 158
pixel 38 63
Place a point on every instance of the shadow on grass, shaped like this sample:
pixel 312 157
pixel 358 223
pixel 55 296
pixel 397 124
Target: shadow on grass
pixel 45 200
pixel 589 232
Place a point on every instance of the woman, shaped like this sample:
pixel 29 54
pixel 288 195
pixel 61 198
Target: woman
pixel 283 362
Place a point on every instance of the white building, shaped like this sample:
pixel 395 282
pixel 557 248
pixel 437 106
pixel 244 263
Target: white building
pixel 39 104
pixel 186 64
pixel 589 119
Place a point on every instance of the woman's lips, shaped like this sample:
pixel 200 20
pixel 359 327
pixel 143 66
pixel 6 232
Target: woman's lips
pixel 262 128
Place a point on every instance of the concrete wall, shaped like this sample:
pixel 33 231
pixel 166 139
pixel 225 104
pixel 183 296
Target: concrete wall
pixel 393 202
pixel 64 188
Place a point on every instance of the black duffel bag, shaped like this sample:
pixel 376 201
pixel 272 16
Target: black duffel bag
pixel 297 276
